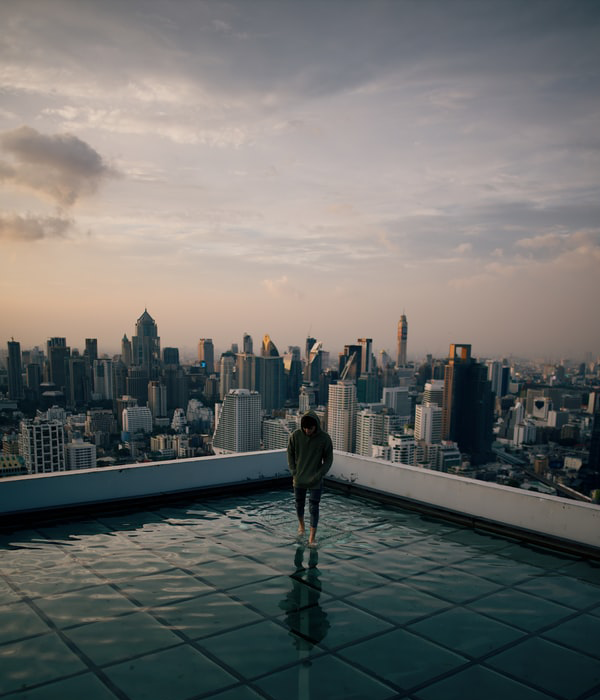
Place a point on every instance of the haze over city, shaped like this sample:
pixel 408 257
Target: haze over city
pixel 298 168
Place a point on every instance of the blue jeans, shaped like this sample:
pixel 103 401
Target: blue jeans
pixel 314 498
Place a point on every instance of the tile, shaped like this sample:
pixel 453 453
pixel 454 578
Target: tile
pixel 438 550
pixel 280 593
pixel 193 551
pixel 397 563
pixel 205 615
pixel 117 567
pixel 466 632
pixel 537 556
pixel 234 571
pixel 50 580
pixel 452 584
pixel 325 677
pixel 240 693
pixel 37 660
pixel 175 674
pixel 166 587
pixel 90 605
pixel 563 589
pixel 121 638
pixel 349 624
pixel 19 620
pixel 583 570
pixel 476 683
pixel 7 594
pixel 521 610
pixel 478 541
pixel 500 570
pixel 257 649
pixel 341 578
pixel 402 658
pixel 86 686
pixel 582 633
pixel 549 666
pixel 398 603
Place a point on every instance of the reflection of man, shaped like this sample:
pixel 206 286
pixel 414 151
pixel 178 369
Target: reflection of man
pixel 310 456
pixel 306 619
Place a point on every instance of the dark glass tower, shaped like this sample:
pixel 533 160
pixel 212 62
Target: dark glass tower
pixel 467 410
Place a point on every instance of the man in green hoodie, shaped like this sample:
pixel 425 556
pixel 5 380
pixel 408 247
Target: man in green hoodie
pixel 310 456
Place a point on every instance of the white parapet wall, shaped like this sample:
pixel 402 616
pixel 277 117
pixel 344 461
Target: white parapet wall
pixel 62 489
pixel 550 516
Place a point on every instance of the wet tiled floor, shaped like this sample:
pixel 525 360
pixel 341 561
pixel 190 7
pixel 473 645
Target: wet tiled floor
pixel 216 598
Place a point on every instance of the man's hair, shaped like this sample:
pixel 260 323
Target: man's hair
pixel 308 422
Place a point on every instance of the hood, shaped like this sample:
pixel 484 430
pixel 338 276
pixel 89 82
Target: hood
pixel 313 415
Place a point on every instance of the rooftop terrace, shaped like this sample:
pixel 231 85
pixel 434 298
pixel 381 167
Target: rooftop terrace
pixel 214 597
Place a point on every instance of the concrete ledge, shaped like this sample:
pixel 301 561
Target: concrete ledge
pixel 538 516
pixel 34 493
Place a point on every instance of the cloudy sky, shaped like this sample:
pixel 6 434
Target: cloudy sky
pixel 286 167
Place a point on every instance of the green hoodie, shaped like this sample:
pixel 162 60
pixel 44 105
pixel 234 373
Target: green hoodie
pixel 309 456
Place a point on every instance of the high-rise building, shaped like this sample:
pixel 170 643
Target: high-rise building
pixel 268 348
pixel 206 354
pixel 433 395
pixel 374 425
pixel 468 409
pixel 137 383
pixel 239 419
pixel 247 344
pixel 103 379
pixel 57 354
pixel 292 368
pixel 367 365
pixel 314 361
pixel 428 423
pixel 226 375
pixel 398 399
pixel 15 371
pixel 126 351
pixel 146 345
pixel 79 383
pixel 137 419
pixel 42 445
pixel 402 341
pixel 91 350
pixel 341 415
pixel 170 356
pixel 80 455
pixel 157 402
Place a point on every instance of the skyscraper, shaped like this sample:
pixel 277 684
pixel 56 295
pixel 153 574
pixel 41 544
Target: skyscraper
pixel 206 354
pixel 42 445
pixel 402 340
pixel 341 415
pixel 15 371
pixel 247 344
pixel 226 376
pixel 467 411
pixel 238 427
pixel 146 345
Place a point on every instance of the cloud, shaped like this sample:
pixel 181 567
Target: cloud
pixel 282 287
pixel 547 240
pixel 59 166
pixel 33 228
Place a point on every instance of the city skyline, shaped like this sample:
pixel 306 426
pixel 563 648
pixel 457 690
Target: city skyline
pixel 299 169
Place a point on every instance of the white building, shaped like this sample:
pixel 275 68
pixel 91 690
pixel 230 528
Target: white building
pixel 137 419
pixel 80 455
pixel 374 425
pixel 277 431
pixel 433 393
pixel 428 423
pixel 42 445
pixel 179 422
pixel 238 427
pixel 341 415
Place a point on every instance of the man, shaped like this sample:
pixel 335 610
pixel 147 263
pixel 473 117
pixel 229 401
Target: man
pixel 310 456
